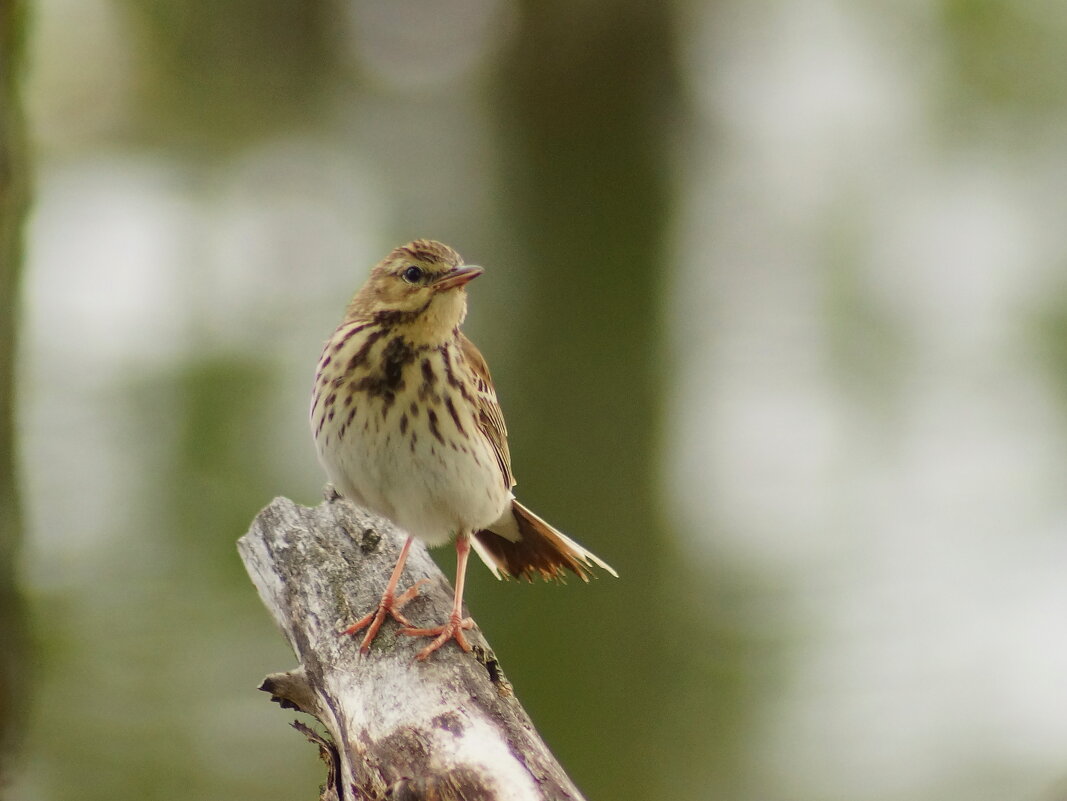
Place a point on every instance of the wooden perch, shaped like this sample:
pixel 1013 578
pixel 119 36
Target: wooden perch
pixel 447 728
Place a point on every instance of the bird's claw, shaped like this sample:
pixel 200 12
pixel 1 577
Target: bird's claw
pixel 389 605
pixel 452 630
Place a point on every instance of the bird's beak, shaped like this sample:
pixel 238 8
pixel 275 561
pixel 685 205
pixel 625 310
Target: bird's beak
pixel 457 277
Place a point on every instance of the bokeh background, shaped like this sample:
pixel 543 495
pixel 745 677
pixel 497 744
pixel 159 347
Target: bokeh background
pixel 776 304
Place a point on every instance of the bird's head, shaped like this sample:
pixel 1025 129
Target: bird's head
pixel 419 287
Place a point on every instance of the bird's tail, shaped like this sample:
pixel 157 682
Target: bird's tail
pixel 523 545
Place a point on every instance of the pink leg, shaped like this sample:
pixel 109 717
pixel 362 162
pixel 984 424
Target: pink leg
pixel 390 603
pixel 453 629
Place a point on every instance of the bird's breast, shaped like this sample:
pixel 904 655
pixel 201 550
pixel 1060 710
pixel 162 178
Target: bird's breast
pixel 396 433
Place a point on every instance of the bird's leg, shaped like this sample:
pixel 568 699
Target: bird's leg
pixel 453 629
pixel 390 603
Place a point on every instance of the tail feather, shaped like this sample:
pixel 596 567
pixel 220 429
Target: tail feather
pixel 538 548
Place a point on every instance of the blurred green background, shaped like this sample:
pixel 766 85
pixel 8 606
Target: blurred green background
pixel 776 305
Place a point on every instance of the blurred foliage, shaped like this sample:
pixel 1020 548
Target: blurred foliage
pixel 1048 337
pixel 866 343
pixel 1007 56
pixel 221 73
pixel 151 686
pixel 223 454
pixel 14 199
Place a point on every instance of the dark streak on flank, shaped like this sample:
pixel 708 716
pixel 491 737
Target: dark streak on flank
pixel 450 375
pixel 433 426
pixel 455 415
pixel 404 423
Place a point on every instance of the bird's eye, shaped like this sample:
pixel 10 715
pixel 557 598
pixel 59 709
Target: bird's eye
pixel 412 274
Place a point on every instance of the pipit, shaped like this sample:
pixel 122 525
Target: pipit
pixel 407 424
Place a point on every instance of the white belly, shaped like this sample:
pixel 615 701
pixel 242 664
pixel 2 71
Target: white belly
pixel 425 483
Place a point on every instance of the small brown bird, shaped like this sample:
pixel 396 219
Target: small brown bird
pixel 407 424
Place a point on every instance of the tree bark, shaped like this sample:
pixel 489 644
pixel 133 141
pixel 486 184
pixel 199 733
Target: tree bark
pixel 446 728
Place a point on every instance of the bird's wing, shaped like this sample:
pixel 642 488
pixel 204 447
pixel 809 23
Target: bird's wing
pixel 490 418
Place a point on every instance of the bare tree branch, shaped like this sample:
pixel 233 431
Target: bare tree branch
pixel 447 728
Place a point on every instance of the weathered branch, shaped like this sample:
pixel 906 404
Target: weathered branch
pixel 446 728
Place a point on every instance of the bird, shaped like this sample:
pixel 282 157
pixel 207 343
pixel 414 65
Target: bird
pixel 406 423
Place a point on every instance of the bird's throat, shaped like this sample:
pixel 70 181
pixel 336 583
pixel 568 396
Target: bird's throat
pixel 436 323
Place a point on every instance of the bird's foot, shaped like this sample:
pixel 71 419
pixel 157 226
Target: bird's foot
pixel 389 605
pixel 452 630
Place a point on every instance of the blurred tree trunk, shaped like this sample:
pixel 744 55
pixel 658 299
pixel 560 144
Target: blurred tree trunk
pixel 13 201
pixel 586 105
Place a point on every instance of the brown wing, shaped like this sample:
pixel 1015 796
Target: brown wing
pixel 490 418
